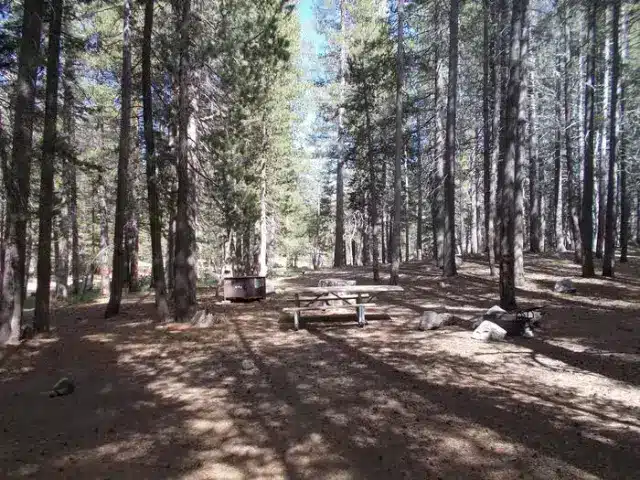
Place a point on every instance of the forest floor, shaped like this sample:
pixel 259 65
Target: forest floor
pixel 251 398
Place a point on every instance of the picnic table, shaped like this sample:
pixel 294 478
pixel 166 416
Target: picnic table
pixel 359 297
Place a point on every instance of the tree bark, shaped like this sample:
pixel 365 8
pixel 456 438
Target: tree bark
pixel 397 171
pixel 572 185
pixel 514 112
pixel 520 152
pixel 262 255
pixel 183 250
pixel 486 133
pixel 155 221
pixel 604 142
pixel 20 170
pixel 420 188
pixel 104 239
pixel 609 243
pixel 624 196
pixel 70 171
pixel 557 173
pixel 407 202
pixel 49 139
pixel 449 254
pixel 438 186
pixel 535 194
pixel 340 259
pixel 587 181
pixel 118 268
pixel 496 82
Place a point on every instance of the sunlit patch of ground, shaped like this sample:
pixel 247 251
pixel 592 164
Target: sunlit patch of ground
pixel 251 398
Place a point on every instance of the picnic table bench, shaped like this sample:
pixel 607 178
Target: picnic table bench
pixel 340 296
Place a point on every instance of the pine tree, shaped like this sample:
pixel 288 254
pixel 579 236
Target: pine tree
pixel 45 211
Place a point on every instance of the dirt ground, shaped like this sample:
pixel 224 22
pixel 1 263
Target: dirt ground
pixel 251 398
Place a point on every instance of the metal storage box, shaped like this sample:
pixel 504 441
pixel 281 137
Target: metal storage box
pixel 245 288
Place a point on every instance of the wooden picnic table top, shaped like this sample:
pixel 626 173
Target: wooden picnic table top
pixel 345 289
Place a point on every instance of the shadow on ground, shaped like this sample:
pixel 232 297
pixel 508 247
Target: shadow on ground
pixel 250 398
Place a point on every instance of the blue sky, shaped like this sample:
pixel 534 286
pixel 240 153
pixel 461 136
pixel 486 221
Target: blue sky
pixel 308 26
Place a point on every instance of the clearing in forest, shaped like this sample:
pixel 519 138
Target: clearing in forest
pixel 251 398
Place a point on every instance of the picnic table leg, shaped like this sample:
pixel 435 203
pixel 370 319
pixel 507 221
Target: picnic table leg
pixel 361 319
pixel 296 320
pixel 297 299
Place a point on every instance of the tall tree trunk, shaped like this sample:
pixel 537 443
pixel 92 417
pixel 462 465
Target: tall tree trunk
pixel 192 204
pixel 171 248
pixel 104 239
pixel 521 134
pixel 155 220
pixel 183 253
pixel 486 132
pixel 262 256
pixel 500 135
pixel 514 113
pixel 449 254
pixel 438 187
pixel 419 180
pixel 49 139
pixel 131 229
pixel 587 181
pixel 397 171
pixel 70 171
pixel 407 202
pixel 535 194
pixel 340 259
pixel 4 169
pixel 558 203
pixel 373 190
pixel 624 198
pixel 610 222
pixel 473 241
pixel 118 268
pixel 365 235
pixel 604 142
pixel 20 170
pixel 572 185
pixel 496 108
pixel 638 210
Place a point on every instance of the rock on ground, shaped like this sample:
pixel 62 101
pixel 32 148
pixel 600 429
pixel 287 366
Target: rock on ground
pixel 202 319
pixel 432 320
pixel 495 310
pixel 488 331
pixel 564 286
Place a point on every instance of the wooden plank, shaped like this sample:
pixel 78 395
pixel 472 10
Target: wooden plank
pixel 331 297
pixel 345 289
pixel 328 307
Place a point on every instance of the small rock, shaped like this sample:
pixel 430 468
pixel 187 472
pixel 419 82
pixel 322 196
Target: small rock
pixel 488 331
pixel 527 332
pixel 495 310
pixel 564 286
pixel 433 320
pixel 248 365
pixel 195 320
pixel 64 386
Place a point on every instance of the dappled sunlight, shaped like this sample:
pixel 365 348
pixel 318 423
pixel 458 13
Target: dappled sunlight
pixel 251 398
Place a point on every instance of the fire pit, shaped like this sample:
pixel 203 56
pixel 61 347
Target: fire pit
pixel 245 288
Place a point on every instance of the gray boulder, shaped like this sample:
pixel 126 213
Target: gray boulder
pixel 564 286
pixel 496 311
pixel 488 331
pixel 64 386
pixel 433 320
